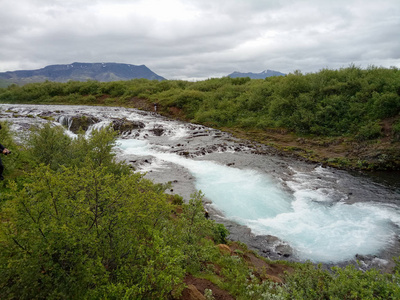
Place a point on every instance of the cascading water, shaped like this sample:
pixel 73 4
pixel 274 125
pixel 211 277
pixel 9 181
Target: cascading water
pixel 65 121
pixel 325 215
pixel 314 220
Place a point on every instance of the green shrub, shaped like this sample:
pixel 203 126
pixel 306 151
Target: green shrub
pixel 13 160
pixel 49 145
pixel 177 200
pixel 369 132
pixel 386 105
pixel 80 232
pixel 220 233
pixel 309 282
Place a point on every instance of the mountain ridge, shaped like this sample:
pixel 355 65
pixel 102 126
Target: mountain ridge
pixel 262 75
pixel 78 71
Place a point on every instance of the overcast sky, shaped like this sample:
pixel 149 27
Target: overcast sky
pixel 198 39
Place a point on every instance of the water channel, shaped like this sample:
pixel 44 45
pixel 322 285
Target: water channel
pixel 282 207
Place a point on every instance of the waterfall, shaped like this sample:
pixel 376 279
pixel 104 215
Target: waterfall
pixel 65 121
pixel 97 126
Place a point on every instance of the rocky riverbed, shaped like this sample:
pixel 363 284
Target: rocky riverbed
pixel 325 207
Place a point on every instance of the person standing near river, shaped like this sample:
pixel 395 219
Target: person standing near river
pixel 4 151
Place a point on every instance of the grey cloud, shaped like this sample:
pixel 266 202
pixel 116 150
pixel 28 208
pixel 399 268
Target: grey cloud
pixel 200 39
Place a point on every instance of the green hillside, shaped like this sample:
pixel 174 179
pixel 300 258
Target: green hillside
pixel 345 118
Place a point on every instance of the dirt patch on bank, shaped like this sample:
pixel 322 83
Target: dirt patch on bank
pixel 203 284
pixel 338 152
pixel 141 103
pixel 264 270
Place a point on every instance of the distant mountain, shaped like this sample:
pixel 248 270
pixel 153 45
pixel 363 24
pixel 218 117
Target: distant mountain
pixel 262 75
pixel 81 72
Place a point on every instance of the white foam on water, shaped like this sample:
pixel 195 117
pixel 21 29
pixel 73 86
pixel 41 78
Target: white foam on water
pixel 330 233
pixel 314 220
pixel 179 133
pixel 97 126
pixel 137 147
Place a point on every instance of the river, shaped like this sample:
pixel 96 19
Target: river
pixel 279 206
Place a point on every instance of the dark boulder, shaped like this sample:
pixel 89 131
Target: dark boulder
pixel 124 125
pixel 157 130
pixel 81 123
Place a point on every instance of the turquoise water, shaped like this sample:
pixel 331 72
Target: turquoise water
pixel 318 228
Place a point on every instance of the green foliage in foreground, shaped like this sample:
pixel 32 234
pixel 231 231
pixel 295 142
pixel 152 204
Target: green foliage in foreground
pixel 88 228
pixel 350 101
pixel 80 231
pixel 12 161
pixel 310 282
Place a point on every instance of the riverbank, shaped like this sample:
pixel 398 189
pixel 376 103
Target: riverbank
pixel 338 152
pixel 381 154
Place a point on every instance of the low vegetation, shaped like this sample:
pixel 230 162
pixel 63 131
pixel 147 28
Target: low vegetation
pixel 76 224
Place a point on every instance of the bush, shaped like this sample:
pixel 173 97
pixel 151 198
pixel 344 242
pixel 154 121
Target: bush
pixel 386 105
pixel 369 132
pixel 11 161
pixel 90 229
pixel 309 282
pixel 87 228
pixel 49 145
pixel 220 233
pixel 83 230
pixel 177 200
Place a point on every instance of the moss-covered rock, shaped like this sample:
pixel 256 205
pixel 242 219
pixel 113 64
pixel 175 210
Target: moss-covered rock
pixel 124 125
pixel 81 122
